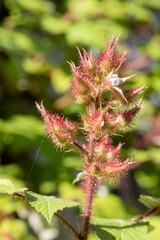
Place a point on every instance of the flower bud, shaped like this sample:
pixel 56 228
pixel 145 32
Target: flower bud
pixel 82 89
pixel 115 170
pixel 105 151
pixel 129 115
pixel 110 172
pixel 59 129
pixel 131 94
pixel 110 59
pixel 88 63
pixel 93 122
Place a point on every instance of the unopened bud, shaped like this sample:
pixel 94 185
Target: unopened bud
pixel 58 128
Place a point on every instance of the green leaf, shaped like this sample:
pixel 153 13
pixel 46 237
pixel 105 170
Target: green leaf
pixel 142 155
pixel 60 80
pixel 21 131
pixel 152 47
pixel 93 236
pixel 151 4
pixel 19 41
pixel 117 229
pixel 150 202
pixel 48 205
pixel 155 231
pixel 82 32
pixel 54 25
pixel 35 7
pixel 117 207
pixel 7 188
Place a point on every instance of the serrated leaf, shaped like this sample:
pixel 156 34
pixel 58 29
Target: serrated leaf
pixel 117 229
pixel 8 188
pixel 48 205
pixel 150 202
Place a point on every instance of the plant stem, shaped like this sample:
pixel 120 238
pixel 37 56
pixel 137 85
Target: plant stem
pixel 77 144
pixel 91 146
pixel 150 212
pixel 91 185
pixel 75 233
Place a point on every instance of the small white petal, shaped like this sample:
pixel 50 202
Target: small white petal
pixel 126 78
pixel 121 93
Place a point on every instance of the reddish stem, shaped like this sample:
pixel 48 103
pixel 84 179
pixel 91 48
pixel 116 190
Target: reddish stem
pixel 150 212
pixel 91 146
pixel 91 186
pixel 77 144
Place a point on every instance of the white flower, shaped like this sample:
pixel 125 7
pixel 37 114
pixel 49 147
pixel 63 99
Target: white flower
pixel 115 81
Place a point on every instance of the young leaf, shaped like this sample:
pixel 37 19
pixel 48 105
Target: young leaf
pixel 48 205
pixel 7 188
pixel 150 202
pixel 118 229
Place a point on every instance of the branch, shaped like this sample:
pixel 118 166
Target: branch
pixel 68 225
pixel 77 144
pixel 150 212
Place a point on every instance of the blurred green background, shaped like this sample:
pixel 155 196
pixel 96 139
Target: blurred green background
pixel 37 37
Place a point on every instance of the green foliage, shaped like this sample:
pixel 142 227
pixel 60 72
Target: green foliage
pixel 154 232
pixel 7 188
pixel 117 207
pixel 150 202
pixel 118 229
pixel 48 205
pixel 16 228
pixel 20 132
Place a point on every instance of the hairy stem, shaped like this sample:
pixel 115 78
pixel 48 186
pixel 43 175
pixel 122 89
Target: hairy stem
pixel 68 225
pixel 91 186
pixel 91 146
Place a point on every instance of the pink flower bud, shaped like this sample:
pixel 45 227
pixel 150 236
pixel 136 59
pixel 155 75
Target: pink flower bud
pixel 88 63
pixel 93 122
pixel 129 115
pixel 131 94
pixel 82 89
pixel 110 59
pixel 105 151
pixel 111 172
pixel 58 128
pixel 115 170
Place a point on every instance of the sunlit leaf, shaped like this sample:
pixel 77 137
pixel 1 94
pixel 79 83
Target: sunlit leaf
pixel 92 33
pixel 117 207
pixel 150 202
pixel 117 229
pixel 155 231
pixel 48 205
pixel 7 188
